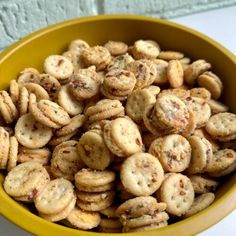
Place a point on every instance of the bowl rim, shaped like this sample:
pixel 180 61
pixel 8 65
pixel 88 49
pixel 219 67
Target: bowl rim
pixel 32 222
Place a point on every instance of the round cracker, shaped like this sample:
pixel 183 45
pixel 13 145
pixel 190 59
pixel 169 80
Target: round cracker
pixel 55 197
pixel 67 160
pixel 30 133
pixel 94 178
pixel 26 179
pixel 68 102
pixel 4 148
pixel 170 55
pixel 173 151
pixel 202 184
pixel 116 47
pixel 139 206
pixel 75 123
pixel 13 151
pixel 93 150
pixel 201 154
pixel 14 90
pixel 221 160
pixel 58 66
pixel 83 219
pixel 175 73
pixel 38 90
pixel 177 192
pixel 96 206
pixel 145 49
pixel 221 125
pixel 211 82
pixel 200 203
pixel 141 174
pixel 38 114
pixel 95 189
pixel 60 215
pixel 93 197
pixel 137 102
pixel 54 112
pixel 146 220
pixel 147 227
pixel 23 102
pixel 131 141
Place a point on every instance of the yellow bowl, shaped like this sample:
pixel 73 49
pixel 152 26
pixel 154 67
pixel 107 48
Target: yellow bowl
pixel 32 50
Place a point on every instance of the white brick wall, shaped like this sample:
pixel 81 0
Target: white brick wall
pixel 21 17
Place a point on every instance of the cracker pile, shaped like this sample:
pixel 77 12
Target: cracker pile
pixel 116 138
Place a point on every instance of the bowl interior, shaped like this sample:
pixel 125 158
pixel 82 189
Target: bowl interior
pixel 31 52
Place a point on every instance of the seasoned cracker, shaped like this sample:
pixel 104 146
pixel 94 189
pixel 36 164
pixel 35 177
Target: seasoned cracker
pixel 30 133
pixel 68 101
pixel 93 150
pixel 84 84
pixel 14 91
pixel 145 49
pixel 93 197
pixel 131 141
pixel 211 82
pixel 222 125
pixel 177 192
pixel 217 107
pixel 137 102
pixel 95 189
pixel 83 219
pixel 148 227
pixel 26 180
pixel 67 160
pixel 161 68
pixel 96 206
pixel 201 154
pixel 56 195
pixel 41 155
pixel 200 93
pixel 119 62
pixel 200 109
pixel 94 178
pixel 39 115
pixel 139 206
pixel 98 56
pixel 13 151
pixel 175 73
pixel 23 101
pixel 221 160
pixel 116 47
pixel 202 184
pixel 194 70
pixel 200 203
pixel 60 215
pixel 78 45
pixel 171 112
pixel 38 90
pixel 141 174
pixel 58 66
pixel 170 55
pixel 54 112
pixel 75 123
pixel 4 148
pixel 50 84
pixel 173 151
pixel 28 75
pixel 146 220
pixel 142 72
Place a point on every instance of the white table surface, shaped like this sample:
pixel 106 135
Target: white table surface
pixel 220 25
